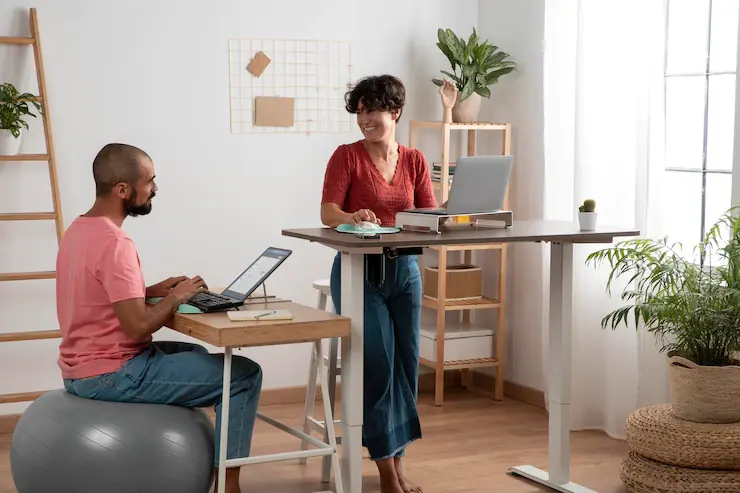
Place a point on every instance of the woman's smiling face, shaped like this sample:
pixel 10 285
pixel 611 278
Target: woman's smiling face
pixel 376 125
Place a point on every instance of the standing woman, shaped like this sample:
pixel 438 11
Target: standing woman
pixel 371 180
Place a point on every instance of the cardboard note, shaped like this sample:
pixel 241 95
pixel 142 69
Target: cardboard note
pixel 274 111
pixel 259 63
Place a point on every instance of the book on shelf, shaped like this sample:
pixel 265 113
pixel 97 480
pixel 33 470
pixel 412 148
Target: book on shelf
pixel 438 167
pixel 439 179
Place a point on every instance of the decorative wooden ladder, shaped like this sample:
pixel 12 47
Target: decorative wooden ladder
pixel 56 215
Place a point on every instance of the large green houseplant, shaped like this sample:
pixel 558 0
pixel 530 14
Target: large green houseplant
pixel 14 109
pixel 475 66
pixel 692 308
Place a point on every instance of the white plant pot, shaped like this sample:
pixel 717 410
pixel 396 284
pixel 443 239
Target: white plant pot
pixel 9 145
pixel 587 220
pixel 467 111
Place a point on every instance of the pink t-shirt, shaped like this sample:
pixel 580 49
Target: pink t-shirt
pixel 97 265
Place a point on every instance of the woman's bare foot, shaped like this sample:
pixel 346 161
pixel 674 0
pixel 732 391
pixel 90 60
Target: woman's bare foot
pixel 406 485
pixel 232 481
pixel 388 477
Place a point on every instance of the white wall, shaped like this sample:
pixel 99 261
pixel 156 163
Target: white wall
pixel 517 27
pixel 154 74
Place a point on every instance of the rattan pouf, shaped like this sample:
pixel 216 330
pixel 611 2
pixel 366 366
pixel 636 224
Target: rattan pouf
pixel 655 433
pixel 641 475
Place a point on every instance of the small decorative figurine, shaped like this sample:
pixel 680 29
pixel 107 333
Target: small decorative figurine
pixel 448 94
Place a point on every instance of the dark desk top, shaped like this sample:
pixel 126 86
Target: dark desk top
pixel 520 231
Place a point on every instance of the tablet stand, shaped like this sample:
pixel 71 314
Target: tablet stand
pixel 260 299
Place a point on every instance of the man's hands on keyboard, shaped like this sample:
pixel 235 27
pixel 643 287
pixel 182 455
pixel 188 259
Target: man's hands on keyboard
pixel 163 288
pixel 188 288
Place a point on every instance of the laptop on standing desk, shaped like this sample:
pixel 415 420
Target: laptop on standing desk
pixel 479 186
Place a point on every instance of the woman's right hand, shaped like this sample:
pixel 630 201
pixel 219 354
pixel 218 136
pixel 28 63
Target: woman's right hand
pixel 365 215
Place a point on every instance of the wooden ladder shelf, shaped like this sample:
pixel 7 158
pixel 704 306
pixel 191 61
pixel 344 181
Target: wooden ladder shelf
pixel 55 215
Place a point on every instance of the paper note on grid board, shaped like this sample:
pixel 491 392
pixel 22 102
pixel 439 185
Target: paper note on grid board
pixel 274 111
pixel 314 73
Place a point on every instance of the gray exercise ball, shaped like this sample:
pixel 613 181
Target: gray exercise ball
pixel 67 444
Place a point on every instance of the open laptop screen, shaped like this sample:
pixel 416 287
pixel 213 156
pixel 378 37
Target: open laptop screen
pixel 257 273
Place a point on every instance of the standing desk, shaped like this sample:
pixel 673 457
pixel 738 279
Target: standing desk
pixel 307 325
pixel 561 235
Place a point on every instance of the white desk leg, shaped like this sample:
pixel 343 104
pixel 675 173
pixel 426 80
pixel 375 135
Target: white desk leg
pixel 225 400
pixel 353 296
pixel 559 376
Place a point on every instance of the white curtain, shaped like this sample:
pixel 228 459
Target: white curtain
pixel 602 101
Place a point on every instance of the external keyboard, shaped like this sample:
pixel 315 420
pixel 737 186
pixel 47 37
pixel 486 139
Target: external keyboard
pixel 209 299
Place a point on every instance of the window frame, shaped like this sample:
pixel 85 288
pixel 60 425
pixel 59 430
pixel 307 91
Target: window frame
pixel 707 75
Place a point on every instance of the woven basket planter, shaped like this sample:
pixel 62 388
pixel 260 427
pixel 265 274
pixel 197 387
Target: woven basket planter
pixel 704 394
pixel 655 433
pixel 641 475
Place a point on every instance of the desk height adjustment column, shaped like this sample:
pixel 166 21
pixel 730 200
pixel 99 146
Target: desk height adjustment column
pixel 353 306
pixel 559 376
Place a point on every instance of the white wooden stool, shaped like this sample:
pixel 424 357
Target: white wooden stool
pixel 333 364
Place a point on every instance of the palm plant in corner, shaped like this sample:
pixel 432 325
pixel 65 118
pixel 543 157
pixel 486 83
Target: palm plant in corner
pixel 480 65
pixel 692 309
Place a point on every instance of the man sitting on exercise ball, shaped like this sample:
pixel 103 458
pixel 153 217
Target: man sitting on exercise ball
pixel 107 352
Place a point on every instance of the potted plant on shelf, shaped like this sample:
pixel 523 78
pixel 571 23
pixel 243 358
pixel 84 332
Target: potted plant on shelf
pixel 14 108
pixel 692 308
pixel 587 215
pixel 480 66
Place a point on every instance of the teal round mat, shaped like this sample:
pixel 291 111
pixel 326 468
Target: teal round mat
pixel 183 308
pixel 350 228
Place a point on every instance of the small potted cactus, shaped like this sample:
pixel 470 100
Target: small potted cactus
pixel 587 215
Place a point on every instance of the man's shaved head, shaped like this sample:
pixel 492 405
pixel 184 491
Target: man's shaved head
pixel 124 174
pixel 117 163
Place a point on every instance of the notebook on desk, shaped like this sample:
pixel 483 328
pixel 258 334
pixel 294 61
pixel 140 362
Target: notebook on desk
pixel 271 314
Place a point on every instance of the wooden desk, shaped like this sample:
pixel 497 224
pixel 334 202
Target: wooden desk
pixel 308 325
pixel 561 236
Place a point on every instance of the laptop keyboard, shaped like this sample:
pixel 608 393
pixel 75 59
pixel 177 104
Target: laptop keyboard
pixel 209 299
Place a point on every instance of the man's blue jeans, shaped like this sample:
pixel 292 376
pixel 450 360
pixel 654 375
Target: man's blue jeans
pixel 184 374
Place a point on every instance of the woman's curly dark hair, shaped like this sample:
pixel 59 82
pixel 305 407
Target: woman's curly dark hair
pixel 377 93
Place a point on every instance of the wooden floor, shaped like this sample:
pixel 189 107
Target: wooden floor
pixel 468 446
